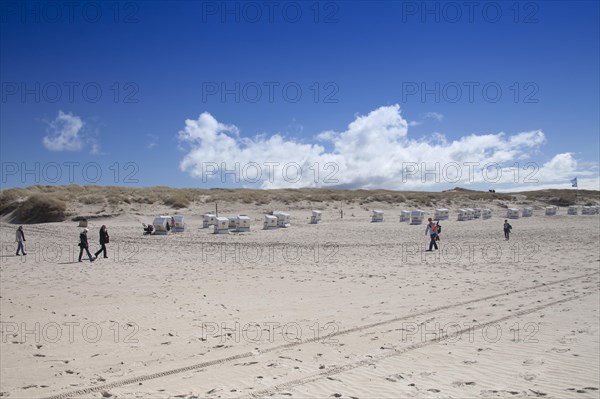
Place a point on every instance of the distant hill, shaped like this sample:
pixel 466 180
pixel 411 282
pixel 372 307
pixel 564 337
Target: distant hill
pixel 39 204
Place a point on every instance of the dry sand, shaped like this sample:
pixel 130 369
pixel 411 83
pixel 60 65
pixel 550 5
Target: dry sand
pixel 345 308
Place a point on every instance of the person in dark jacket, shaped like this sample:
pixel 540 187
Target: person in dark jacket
pixel 83 244
pixel 507 229
pixel 149 229
pixel 20 240
pixel 103 241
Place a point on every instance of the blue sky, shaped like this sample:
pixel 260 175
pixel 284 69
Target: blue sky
pixel 400 95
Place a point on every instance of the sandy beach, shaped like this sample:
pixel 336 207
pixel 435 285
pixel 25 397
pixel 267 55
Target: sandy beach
pixel 345 308
pixel 323 125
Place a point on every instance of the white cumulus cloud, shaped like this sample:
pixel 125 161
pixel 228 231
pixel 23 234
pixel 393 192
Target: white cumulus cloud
pixel 64 133
pixel 374 151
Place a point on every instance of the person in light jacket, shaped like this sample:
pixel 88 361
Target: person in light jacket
pixel 20 239
pixel 432 229
pixel 83 245
pixel 103 241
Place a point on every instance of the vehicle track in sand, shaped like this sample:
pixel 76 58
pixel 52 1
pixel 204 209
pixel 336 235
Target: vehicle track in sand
pixel 341 368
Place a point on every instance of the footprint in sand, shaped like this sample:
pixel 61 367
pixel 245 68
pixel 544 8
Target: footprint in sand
pixel 567 340
pixel 528 376
pixel 529 362
pixel 463 383
pixel 538 393
pixel 560 350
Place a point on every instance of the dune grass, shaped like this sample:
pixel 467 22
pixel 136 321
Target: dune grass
pixel 40 208
pixel 38 204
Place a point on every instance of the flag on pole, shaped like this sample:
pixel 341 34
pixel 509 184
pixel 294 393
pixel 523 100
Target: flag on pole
pixel 574 182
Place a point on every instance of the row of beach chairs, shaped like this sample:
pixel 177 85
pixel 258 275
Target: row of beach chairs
pixel 223 225
pixel 241 223
pixel 418 216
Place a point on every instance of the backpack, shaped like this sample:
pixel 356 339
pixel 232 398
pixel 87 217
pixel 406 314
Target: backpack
pixel 439 228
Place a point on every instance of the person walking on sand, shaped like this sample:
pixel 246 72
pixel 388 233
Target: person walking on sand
pixel 507 229
pixel 83 244
pixel 20 239
pixel 103 241
pixel 432 230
